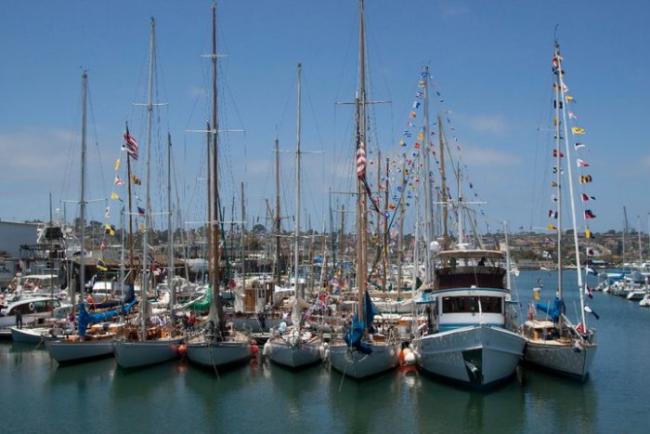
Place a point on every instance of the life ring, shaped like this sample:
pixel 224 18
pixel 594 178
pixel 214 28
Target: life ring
pixel 31 307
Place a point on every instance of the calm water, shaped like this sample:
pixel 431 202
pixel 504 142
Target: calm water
pixel 38 396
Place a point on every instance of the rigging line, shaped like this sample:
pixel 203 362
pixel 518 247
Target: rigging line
pixel 99 152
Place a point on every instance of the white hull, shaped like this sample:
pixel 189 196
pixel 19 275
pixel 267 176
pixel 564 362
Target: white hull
pixel 28 318
pixel 283 353
pixel 563 359
pixel 476 355
pixel 357 365
pixel 71 352
pixel 30 335
pixel 140 354
pixel 218 354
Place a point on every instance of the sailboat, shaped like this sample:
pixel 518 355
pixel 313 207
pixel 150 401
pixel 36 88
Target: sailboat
pixel 295 347
pixel 465 339
pixel 361 353
pixel 216 346
pixel 552 341
pixel 156 344
pixel 84 347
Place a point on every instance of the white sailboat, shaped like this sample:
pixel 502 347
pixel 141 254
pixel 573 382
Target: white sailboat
pixel 295 347
pixel 163 346
pixel 84 347
pixel 217 346
pixel 557 344
pixel 362 354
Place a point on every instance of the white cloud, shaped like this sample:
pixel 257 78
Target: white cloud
pixel 480 156
pixel 493 124
pixel 32 154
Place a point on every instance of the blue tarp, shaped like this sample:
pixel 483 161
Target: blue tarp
pixel 554 310
pixel 85 318
pixel 354 336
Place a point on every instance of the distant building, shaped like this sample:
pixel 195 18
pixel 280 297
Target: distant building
pixel 15 234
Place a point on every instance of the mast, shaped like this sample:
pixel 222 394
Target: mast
pixel 128 175
pixel 296 258
pixel 638 232
pixel 216 310
pixel 147 213
pixel 428 220
pixel 362 216
pixel 82 200
pixel 576 245
pixel 625 228
pixel 443 185
pixel 170 230
pixel 122 249
pixel 558 177
pixel 400 238
pixel 385 237
pixel 278 219
pixel 243 237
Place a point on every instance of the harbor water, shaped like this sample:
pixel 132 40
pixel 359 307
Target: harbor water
pixel 39 396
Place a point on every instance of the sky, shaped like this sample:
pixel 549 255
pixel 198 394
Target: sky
pixel 491 62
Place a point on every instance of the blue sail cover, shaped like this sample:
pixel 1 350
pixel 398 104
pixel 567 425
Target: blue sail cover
pixel 554 310
pixel 354 336
pixel 85 318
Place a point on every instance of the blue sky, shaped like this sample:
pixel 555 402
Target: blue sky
pixel 490 60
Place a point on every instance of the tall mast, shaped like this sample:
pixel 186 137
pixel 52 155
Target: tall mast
pixel 428 217
pixel 362 217
pixel 567 149
pixel 296 258
pixel 558 173
pixel 216 311
pixel 638 232
pixel 82 200
pixel 128 175
pixel 147 213
pixel 170 230
pixel 385 234
pixel 243 237
pixel 400 238
pixel 443 185
pixel 278 219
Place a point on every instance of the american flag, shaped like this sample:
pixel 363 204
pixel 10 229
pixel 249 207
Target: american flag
pixel 131 145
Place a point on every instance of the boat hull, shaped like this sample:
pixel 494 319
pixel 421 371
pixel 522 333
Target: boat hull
pixel 562 359
pixel 479 356
pixel 358 365
pixel 30 336
pixel 218 354
pixel 75 352
pixel 291 356
pixel 130 355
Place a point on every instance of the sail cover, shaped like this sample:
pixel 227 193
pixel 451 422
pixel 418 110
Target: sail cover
pixel 354 336
pixel 85 318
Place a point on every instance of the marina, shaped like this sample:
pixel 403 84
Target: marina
pixel 319 400
pixel 405 270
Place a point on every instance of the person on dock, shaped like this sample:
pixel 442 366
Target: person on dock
pixel 19 319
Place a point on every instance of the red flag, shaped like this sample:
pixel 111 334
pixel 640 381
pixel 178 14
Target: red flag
pixel 589 215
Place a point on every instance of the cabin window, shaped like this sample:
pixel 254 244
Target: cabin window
pixel 491 305
pixel 470 305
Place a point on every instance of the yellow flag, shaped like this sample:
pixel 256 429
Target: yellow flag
pixel 569 98
pixel 551 227
pixel 115 196
pixel 116 165
pixel 587 233
pixel 421 136
pixel 108 229
pixel 577 131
